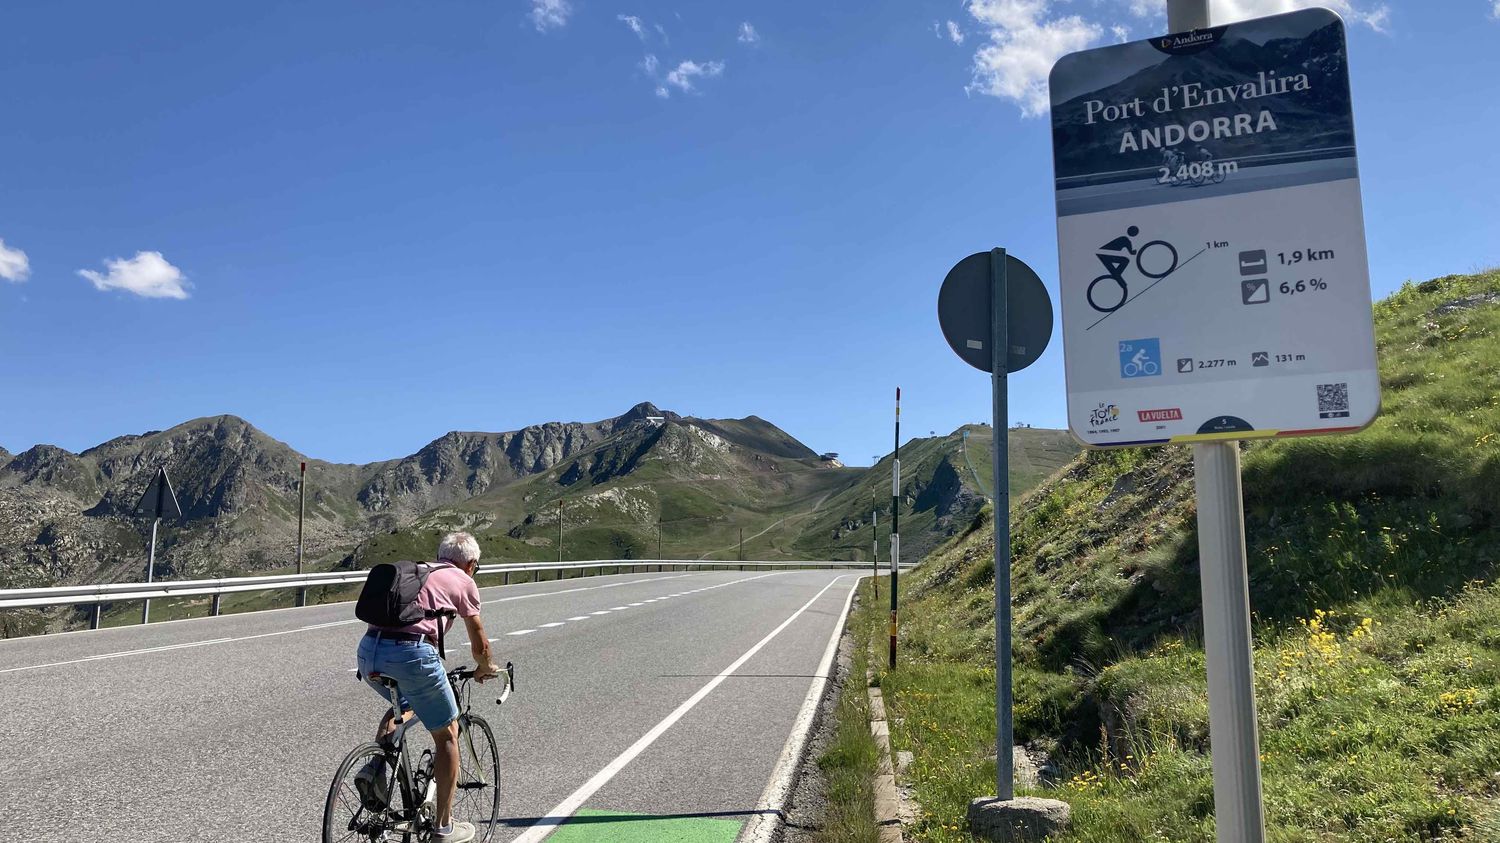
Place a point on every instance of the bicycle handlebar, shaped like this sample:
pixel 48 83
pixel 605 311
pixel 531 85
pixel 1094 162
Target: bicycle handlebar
pixel 467 673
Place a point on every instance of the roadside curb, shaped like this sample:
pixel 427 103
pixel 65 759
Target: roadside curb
pixel 770 811
pixel 887 799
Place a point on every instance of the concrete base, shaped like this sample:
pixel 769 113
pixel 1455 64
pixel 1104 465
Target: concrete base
pixel 1025 819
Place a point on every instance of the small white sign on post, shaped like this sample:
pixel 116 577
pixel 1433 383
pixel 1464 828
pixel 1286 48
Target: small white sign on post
pixel 1214 278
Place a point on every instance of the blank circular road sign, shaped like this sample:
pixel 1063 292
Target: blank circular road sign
pixel 964 312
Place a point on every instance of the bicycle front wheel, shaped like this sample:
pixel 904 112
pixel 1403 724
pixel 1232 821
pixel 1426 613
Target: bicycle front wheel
pixel 1161 266
pixel 477 798
pixel 346 817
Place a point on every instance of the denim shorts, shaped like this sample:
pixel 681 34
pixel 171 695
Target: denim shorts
pixel 420 678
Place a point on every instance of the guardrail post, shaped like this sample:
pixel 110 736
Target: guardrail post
pixel 94 615
pixel 218 600
pixel 506 581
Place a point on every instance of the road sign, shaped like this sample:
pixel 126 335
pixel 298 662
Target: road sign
pixel 997 316
pixel 1214 278
pixel 964 312
pixel 159 501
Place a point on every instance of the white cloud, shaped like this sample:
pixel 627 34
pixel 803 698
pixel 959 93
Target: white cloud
pixel 550 14
pixel 635 25
pixel 955 34
pixel 1495 10
pixel 649 64
pixel 147 275
pixel 1121 33
pixel 748 35
pixel 14 265
pixel 661 91
pixel 682 77
pixel 662 33
pixel 1025 40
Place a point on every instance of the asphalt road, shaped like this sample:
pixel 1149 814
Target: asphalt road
pixel 648 707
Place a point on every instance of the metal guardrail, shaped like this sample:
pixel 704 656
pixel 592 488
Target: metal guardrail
pixel 30 598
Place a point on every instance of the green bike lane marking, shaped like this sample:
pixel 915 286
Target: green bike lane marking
pixel 588 826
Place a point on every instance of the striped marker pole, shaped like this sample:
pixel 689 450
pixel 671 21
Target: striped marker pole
pixel 895 523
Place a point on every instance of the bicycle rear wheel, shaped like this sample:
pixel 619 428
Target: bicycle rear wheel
pixel 477 799
pixel 345 817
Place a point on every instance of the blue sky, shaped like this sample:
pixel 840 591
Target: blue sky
pixel 362 224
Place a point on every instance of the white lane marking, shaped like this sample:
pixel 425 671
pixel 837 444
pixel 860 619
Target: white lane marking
pixel 120 654
pixel 328 625
pixel 550 625
pixel 769 810
pixel 565 809
pixel 618 608
pixel 642 603
pixel 521 632
pixel 580 588
pixel 155 624
pixel 605 612
pixel 579 618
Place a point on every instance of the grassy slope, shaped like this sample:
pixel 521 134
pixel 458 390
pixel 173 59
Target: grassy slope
pixel 1377 619
pixel 843 521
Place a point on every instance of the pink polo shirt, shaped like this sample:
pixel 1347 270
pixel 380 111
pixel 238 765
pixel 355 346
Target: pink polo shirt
pixel 447 589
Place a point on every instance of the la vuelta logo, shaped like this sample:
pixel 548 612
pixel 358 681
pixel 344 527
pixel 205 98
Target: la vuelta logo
pixel 1147 416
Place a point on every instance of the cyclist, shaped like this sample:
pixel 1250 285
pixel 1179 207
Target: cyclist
pixel 1115 264
pixel 409 655
pixel 1171 159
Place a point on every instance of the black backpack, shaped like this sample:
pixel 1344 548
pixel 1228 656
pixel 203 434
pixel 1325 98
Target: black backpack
pixel 389 596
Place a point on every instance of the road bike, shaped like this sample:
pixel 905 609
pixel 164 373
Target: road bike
pixel 398 803
pixel 1149 269
pixel 1132 368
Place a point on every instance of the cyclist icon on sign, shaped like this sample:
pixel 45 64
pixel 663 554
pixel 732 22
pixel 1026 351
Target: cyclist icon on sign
pixel 1116 257
pixel 1140 358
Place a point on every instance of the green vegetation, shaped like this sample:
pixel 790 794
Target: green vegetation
pixel 1377 619
pixel 851 759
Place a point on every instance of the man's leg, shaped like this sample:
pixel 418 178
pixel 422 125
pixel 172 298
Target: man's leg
pixel 445 770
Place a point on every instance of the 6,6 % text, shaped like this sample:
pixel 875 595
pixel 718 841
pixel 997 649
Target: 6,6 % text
pixel 1310 285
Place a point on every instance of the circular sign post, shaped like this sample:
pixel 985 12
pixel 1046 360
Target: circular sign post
pixel 965 311
pixel 997 317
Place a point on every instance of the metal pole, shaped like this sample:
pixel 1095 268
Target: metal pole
pixel 1000 447
pixel 150 570
pixel 94 616
pixel 875 552
pixel 1226 643
pixel 301 510
pixel 1187 15
pixel 895 524
pixel 217 605
pixel 1238 814
pixel 742 547
pixel 559 531
pixel 658 538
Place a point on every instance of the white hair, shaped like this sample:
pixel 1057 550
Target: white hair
pixel 458 548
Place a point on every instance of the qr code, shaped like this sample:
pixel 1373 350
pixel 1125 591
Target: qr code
pixel 1333 400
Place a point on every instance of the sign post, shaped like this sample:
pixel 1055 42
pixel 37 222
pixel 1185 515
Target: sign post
pixel 301 511
pixel 895 524
pixel 997 316
pixel 158 501
pixel 1217 168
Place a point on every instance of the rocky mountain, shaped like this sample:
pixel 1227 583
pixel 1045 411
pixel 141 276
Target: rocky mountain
pixel 645 484
pixel 68 517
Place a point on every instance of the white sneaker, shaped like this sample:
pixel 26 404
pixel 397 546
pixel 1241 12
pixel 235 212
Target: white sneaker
pixel 461 833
